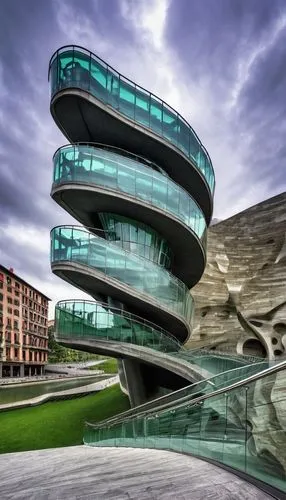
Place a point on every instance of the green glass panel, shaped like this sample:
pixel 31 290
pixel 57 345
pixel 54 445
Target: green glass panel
pixel 112 170
pixel 76 68
pixel 78 245
pixel 156 115
pixel 127 98
pixel 112 88
pixel 98 79
pixel 170 124
pixel 142 107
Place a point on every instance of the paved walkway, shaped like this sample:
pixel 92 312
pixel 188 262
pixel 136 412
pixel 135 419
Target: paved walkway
pixel 86 473
pixel 86 389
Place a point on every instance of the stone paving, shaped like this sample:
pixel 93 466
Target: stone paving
pixel 86 473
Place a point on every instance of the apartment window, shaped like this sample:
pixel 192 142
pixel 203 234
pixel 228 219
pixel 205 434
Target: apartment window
pixel 1 284
pixel 9 281
pixel 10 310
pixel 9 322
pixel 17 294
pixel 9 289
pixel 1 296
pixel 16 325
pixel 1 277
pixel 16 353
pixel 17 285
pixel 16 312
pixel 10 301
pixel 16 302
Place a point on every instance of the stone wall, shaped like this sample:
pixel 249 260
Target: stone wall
pixel 241 298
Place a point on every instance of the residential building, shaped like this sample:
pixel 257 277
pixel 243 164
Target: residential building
pixel 23 327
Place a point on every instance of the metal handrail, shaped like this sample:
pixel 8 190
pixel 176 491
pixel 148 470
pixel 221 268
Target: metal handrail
pixel 174 394
pixel 240 383
pixel 264 373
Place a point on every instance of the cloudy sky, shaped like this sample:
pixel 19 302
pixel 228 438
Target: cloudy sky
pixel 220 63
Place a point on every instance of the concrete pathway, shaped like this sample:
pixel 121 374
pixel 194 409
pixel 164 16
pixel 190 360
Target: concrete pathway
pixel 85 389
pixel 86 473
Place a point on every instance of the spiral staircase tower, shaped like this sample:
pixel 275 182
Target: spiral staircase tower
pixel 140 183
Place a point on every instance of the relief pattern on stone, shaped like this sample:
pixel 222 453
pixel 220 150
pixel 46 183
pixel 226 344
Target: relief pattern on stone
pixel 241 298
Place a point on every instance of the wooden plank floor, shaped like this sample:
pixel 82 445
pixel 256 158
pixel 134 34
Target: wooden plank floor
pixel 82 472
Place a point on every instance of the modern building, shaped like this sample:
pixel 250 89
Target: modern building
pixel 144 197
pixel 23 326
pixel 139 181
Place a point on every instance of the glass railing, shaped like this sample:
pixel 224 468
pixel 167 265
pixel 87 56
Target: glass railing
pixel 136 237
pixel 74 244
pixel 187 394
pixel 242 427
pixel 76 67
pixel 108 169
pixel 92 320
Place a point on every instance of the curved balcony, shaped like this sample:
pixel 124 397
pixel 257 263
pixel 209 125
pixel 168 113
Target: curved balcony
pixel 83 318
pixel 98 266
pixel 90 179
pixel 77 75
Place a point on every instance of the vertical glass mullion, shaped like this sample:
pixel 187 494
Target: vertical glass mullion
pixel 246 428
pixel 89 72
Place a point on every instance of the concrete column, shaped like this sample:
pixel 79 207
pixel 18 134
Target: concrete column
pixel 22 370
pixel 11 370
pixel 30 371
pixel 0 370
pixel 135 384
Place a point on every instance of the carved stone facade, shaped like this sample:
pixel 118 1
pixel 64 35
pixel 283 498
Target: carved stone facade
pixel 241 298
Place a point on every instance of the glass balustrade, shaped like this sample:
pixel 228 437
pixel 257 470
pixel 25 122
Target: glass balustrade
pixel 242 427
pixel 78 68
pixel 136 237
pixel 69 243
pixel 189 393
pixel 108 169
pixel 92 320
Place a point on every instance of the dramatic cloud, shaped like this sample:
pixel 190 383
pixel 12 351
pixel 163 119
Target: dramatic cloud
pixel 220 63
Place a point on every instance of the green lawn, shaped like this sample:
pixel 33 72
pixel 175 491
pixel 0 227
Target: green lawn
pixel 109 366
pixel 58 423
